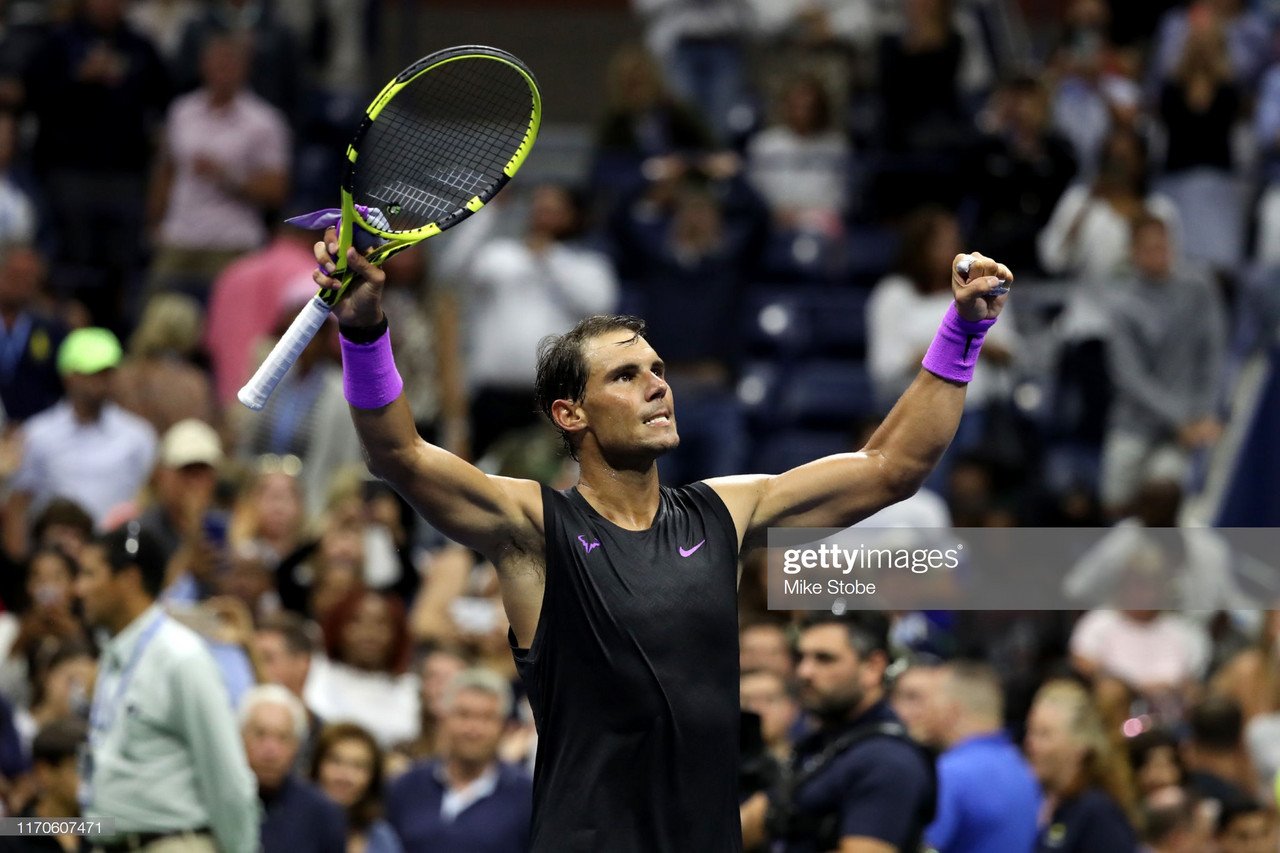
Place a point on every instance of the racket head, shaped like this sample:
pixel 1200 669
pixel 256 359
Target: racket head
pixel 440 141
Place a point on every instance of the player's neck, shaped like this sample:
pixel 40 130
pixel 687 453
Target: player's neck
pixel 629 499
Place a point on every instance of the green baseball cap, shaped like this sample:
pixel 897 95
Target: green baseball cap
pixel 88 351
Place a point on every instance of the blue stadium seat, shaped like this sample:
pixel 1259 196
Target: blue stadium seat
pixel 786 449
pixel 776 321
pixel 837 320
pixel 804 257
pixel 828 394
pixel 759 390
pixel 870 252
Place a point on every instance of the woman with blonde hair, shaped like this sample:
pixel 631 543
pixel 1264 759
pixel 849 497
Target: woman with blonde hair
pixel 159 380
pixel 1085 776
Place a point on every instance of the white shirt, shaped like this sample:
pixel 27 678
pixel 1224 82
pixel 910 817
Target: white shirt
pixel 1204 583
pixel 387 705
pixel 800 172
pixel 1100 249
pixel 17 214
pixel 518 298
pixel 457 800
pixel 901 323
pixel 1168 650
pixel 99 465
pixel 166 750
pixel 247 137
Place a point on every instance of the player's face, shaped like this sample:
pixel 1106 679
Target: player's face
pixel 628 405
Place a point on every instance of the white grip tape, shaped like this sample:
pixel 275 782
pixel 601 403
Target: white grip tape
pixel 304 327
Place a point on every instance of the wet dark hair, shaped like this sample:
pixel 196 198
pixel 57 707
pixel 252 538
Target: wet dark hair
pixel 562 365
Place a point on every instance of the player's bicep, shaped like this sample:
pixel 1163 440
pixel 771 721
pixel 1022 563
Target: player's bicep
pixel 475 509
pixel 835 491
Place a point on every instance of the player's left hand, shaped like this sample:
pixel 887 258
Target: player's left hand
pixel 982 293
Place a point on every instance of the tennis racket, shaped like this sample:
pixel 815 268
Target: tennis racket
pixel 438 142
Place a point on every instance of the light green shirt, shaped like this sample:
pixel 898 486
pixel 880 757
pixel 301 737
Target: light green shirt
pixel 167 754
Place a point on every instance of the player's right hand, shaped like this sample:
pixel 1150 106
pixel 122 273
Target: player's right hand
pixel 361 305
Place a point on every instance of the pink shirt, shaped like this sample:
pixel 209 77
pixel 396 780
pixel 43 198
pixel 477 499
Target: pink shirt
pixel 1168 650
pixel 245 304
pixel 246 137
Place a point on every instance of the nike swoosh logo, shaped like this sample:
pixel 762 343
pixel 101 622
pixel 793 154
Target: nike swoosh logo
pixel 968 343
pixel 688 552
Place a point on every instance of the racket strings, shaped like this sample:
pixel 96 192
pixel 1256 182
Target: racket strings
pixel 443 140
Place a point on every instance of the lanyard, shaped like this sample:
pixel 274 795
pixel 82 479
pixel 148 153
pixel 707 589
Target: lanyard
pixel 101 717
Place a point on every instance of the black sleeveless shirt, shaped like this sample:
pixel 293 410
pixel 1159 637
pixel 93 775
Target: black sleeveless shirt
pixel 633 680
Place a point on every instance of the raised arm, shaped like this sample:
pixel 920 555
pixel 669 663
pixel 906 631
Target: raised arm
pixel 494 515
pixel 839 490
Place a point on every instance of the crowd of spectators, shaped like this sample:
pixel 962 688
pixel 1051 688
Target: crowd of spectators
pixel 779 189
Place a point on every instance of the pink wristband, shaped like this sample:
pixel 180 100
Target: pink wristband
pixel 954 351
pixel 369 376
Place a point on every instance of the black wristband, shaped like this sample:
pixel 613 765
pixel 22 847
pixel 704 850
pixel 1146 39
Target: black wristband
pixel 364 334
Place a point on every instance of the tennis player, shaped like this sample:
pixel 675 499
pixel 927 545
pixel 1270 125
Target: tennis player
pixel 621 593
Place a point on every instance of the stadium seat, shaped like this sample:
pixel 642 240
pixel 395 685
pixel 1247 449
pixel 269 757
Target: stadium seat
pixel 870 253
pixel 786 449
pixel 759 389
pixel 837 322
pixel 827 394
pixel 776 321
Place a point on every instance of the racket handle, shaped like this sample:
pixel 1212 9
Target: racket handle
pixel 304 327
